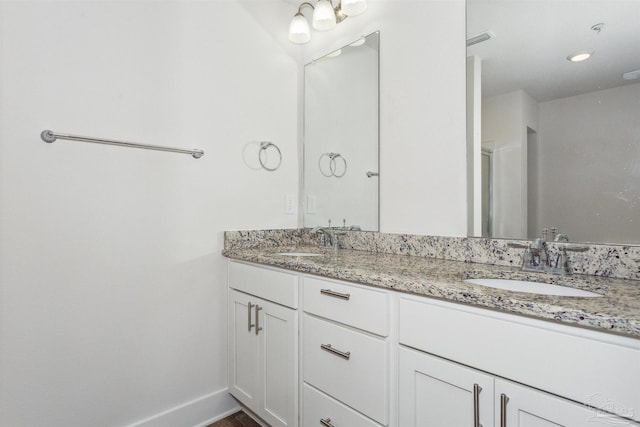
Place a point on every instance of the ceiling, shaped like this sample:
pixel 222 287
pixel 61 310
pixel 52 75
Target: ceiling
pixel 534 37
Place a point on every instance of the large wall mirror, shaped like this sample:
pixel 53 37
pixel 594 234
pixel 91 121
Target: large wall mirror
pixel 341 181
pixel 554 142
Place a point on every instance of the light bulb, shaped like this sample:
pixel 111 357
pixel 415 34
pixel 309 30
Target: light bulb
pixel 354 7
pixel 580 56
pixel 324 18
pixel 299 31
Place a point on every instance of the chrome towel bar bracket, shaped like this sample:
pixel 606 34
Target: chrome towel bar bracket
pixel 49 137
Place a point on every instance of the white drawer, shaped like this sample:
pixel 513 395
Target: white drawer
pixel 362 380
pixel 576 363
pixel 361 307
pixel 263 282
pixel 318 406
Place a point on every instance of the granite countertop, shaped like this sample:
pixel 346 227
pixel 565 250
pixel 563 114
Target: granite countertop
pixel 617 311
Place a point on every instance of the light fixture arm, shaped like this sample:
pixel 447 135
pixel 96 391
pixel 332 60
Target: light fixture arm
pixel 303 5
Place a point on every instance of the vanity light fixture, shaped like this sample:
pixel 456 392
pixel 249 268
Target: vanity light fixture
pixel 631 75
pixel 580 56
pixel 325 17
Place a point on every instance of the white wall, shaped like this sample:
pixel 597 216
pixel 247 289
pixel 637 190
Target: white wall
pixel 112 282
pixel 590 157
pixel 505 119
pixel 422 110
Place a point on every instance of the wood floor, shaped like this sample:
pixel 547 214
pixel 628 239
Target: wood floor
pixel 239 419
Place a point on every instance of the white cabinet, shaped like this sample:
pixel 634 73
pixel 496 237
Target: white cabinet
pixel 263 349
pixel 434 392
pixel 520 406
pixel 345 354
pixel 574 367
pixel 371 357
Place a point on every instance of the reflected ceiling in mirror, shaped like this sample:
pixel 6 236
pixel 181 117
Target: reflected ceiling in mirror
pixel 554 143
pixel 341 179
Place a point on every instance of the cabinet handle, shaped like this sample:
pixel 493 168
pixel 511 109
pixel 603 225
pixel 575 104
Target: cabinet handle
pixel 326 422
pixel 476 405
pixel 503 409
pixel 258 327
pixel 344 354
pixel 335 294
pixel 249 324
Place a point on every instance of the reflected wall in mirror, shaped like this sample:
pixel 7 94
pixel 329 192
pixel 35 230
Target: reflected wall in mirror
pixel 341 137
pixel 557 143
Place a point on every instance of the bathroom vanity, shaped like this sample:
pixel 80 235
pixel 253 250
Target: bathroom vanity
pixel 355 338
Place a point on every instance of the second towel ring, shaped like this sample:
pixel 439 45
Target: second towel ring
pixel 333 167
pixel 264 145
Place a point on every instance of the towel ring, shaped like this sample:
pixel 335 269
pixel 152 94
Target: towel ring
pixel 329 156
pixel 264 145
pixel 333 166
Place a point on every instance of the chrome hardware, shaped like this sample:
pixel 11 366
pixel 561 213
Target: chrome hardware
pixel 324 236
pixel 476 405
pixel 250 325
pixel 562 264
pixel 326 422
pixel 264 146
pixel 503 409
pixel 370 174
pixel 536 255
pixel 335 294
pixel 344 354
pixel 50 136
pixel 258 327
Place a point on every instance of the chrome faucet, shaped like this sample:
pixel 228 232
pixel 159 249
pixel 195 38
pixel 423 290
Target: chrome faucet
pixel 324 236
pixel 536 255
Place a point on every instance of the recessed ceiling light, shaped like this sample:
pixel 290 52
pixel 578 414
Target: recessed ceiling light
pixel 580 56
pixel 631 75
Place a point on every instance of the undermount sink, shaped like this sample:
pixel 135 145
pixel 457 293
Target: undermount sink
pixel 299 254
pixel 532 287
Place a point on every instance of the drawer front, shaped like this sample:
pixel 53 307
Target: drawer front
pixel 362 380
pixel 360 307
pixel 319 407
pixel 272 285
pixel 579 364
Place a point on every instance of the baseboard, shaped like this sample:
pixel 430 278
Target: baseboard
pixel 199 412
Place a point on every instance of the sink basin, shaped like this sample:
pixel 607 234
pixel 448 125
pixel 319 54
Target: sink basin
pixel 299 254
pixel 532 287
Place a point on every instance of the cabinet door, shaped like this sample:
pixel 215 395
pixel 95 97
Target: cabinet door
pixel 278 362
pixel 434 392
pixel 243 349
pixel 520 406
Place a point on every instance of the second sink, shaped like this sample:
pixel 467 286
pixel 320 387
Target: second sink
pixel 532 287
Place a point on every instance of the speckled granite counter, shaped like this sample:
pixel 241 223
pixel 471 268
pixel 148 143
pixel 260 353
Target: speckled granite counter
pixel 617 311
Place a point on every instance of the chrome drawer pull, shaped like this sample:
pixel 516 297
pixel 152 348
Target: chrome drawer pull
pixel 331 293
pixel 249 324
pixel 326 422
pixel 258 327
pixel 343 354
pixel 503 410
pixel 476 405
